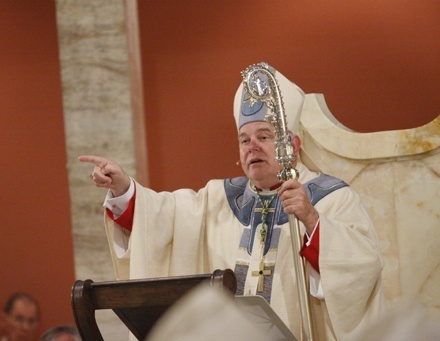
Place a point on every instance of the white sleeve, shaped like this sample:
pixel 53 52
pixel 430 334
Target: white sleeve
pixel 315 284
pixel 314 276
pixel 121 238
pixel 119 204
pixel 309 238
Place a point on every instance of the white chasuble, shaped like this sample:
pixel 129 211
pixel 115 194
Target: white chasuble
pixel 187 232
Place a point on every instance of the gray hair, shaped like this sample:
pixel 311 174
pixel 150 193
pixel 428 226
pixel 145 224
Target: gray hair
pixel 53 333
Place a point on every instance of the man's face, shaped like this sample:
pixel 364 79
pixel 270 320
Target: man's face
pixel 257 153
pixel 22 321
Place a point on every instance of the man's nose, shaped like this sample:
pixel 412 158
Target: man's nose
pixel 27 325
pixel 253 145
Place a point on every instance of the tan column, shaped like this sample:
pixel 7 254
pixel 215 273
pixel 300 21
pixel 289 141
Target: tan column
pixel 95 56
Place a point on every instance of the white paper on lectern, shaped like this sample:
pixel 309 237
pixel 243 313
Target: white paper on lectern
pixel 260 313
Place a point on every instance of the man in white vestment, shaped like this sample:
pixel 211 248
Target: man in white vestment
pixel 242 223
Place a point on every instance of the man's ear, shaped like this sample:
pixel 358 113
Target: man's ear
pixel 296 143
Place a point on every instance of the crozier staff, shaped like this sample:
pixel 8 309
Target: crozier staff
pixel 242 223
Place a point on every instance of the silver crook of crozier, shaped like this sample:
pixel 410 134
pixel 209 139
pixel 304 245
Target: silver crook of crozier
pixel 260 83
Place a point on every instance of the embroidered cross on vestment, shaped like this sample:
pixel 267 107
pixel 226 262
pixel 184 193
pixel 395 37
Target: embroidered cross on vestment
pixel 261 273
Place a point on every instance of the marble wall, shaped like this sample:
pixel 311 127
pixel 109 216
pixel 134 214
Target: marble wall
pixel 98 120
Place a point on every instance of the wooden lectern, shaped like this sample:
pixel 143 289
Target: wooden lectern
pixel 138 303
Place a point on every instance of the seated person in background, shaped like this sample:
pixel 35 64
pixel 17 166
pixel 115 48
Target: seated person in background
pixel 242 223
pixel 61 333
pixel 21 317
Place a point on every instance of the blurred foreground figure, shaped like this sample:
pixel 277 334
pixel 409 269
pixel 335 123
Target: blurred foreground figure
pixel 61 333
pixel 213 316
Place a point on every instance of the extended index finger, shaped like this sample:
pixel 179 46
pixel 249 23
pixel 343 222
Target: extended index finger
pixel 96 160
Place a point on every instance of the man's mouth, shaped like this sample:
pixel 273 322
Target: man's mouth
pixel 254 161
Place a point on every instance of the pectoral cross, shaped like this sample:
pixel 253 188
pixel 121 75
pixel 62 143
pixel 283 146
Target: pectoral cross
pixel 265 210
pixel 261 273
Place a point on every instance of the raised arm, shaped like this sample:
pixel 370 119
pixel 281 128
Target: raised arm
pixel 107 174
